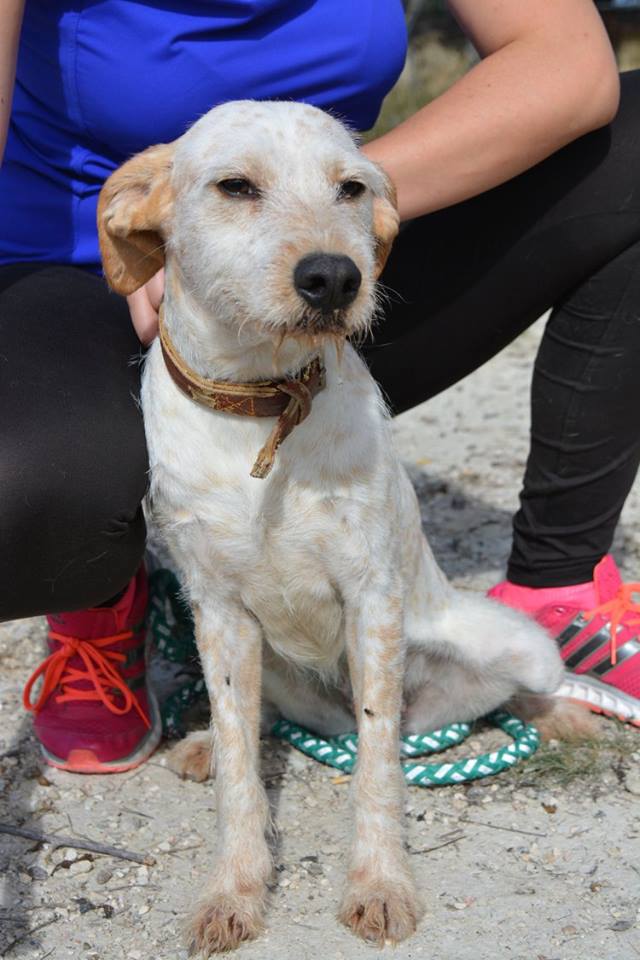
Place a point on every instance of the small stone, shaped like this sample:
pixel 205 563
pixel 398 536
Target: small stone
pixel 330 849
pixel 632 782
pixel 315 869
pixel 569 930
pixel 58 855
pixel 84 905
pixel 475 794
pixel 164 847
pixel 104 875
pixel 621 925
pixel 143 909
pixel 36 872
pixel 80 866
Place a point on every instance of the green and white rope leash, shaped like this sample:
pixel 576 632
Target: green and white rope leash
pixel 341 751
pixel 171 626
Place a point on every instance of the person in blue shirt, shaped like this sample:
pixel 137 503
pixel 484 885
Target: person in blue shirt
pixel 520 191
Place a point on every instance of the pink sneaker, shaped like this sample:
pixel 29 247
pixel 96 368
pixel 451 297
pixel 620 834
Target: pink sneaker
pixel 596 626
pixel 95 712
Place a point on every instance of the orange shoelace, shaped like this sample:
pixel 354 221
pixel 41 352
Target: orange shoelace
pixel 100 670
pixel 615 609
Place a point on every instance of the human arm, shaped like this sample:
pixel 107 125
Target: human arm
pixel 548 76
pixel 10 23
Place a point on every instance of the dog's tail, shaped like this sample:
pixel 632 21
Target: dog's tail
pixel 477 655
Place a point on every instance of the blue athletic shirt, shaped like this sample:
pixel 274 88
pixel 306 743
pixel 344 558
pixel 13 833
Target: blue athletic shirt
pixel 99 80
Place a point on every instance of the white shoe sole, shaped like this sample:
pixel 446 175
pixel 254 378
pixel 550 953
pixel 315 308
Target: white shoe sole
pixel 600 697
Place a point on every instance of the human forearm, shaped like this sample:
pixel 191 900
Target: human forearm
pixel 534 92
pixel 10 22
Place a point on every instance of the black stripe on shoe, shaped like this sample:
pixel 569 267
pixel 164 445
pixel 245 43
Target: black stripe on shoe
pixel 572 630
pixel 628 649
pixel 597 640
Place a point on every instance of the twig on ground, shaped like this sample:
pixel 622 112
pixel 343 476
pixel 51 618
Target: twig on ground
pixel 446 843
pixel 138 813
pixel 177 850
pixel 495 826
pixel 58 840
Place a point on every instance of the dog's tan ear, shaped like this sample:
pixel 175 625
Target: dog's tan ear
pixel 133 214
pixel 386 222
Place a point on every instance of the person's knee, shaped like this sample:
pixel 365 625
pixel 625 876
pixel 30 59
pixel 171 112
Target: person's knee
pixel 62 551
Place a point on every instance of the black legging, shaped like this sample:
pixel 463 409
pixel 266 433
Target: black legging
pixel 73 459
pixel 470 279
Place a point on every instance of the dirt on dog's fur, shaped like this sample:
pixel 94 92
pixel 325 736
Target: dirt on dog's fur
pixel 541 862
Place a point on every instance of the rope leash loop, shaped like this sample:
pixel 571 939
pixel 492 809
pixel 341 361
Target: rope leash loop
pixel 341 751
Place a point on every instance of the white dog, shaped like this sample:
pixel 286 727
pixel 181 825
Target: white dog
pixel 313 572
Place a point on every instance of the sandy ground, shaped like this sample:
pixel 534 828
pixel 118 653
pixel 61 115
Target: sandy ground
pixel 542 863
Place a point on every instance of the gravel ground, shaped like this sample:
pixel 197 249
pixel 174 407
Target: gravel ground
pixel 541 863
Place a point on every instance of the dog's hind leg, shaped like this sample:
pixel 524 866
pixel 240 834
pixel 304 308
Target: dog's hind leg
pixel 380 901
pixel 555 717
pixel 230 647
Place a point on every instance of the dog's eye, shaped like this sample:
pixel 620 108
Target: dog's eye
pixel 350 189
pixel 238 187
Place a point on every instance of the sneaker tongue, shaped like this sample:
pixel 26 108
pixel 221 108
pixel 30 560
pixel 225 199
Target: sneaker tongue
pixel 84 624
pixel 607 579
pixel 99 622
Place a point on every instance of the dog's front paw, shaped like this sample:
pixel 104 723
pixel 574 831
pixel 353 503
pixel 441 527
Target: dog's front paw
pixel 224 922
pixel 380 912
pixel 192 758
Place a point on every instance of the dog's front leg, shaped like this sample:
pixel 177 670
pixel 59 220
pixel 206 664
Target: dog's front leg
pixel 380 902
pixel 230 646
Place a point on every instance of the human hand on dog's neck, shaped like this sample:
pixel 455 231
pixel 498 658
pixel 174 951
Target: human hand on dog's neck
pixel 143 307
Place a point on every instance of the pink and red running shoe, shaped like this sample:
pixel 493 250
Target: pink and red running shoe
pixel 95 712
pixel 597 628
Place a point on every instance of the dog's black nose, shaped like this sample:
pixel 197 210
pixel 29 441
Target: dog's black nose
pixel 327 281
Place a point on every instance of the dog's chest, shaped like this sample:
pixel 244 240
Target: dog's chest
pixel 286 557
pixel 287 548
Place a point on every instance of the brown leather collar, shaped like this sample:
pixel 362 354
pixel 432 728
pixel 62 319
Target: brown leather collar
pixel 289 400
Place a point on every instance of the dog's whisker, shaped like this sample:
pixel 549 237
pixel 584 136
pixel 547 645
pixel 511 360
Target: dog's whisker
pixel 389 294
pixel 277 348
